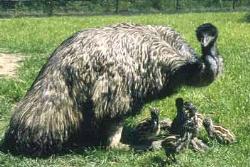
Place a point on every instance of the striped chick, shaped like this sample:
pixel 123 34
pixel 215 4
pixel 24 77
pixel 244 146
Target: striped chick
pixel 221 134
pixel 148 129
pixel 170 144
pixel 193 112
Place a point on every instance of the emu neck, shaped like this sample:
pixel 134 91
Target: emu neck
pixel 208 67
pixel 209 50
pixel 211 61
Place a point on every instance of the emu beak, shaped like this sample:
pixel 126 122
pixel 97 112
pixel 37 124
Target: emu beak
pixel 206 40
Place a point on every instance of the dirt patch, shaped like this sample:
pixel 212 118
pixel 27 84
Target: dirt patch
pixel 9 63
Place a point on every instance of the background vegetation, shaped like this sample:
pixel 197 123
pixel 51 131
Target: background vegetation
pixel 227 100
pixel 97 7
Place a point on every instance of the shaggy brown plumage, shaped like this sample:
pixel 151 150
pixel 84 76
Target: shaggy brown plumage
pixel 97 77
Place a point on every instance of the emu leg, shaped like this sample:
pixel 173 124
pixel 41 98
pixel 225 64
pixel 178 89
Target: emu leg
pixel 114 136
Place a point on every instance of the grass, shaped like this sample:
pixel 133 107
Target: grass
pixel 228 97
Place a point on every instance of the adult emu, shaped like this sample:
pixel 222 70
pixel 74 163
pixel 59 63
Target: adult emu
pixel 97 77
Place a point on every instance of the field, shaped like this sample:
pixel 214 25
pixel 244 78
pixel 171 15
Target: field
pixel 227 100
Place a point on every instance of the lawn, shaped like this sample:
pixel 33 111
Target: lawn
pixel 227 100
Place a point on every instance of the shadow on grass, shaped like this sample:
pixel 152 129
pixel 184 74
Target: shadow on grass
pixel 246 18
pixel 158 160
pixel 162 162
pixel 78 148
pixel 73 150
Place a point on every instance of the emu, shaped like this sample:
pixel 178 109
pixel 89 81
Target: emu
pixel 98 77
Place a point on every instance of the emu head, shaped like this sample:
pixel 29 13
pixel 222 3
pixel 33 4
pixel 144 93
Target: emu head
pixel 206 34
pixel 191 109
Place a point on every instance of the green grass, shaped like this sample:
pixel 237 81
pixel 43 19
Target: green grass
pixel 228 97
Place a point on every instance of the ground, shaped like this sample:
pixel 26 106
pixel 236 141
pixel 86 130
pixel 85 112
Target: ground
pixel 8 64
pixel 227 100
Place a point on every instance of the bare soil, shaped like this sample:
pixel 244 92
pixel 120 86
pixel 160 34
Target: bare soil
pixel 9 63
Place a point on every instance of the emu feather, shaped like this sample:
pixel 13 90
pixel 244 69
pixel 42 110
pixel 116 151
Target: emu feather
pixel 96 78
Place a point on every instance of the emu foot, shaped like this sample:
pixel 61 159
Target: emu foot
pixel 119 146
pixel 221 134
pixel 123 146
